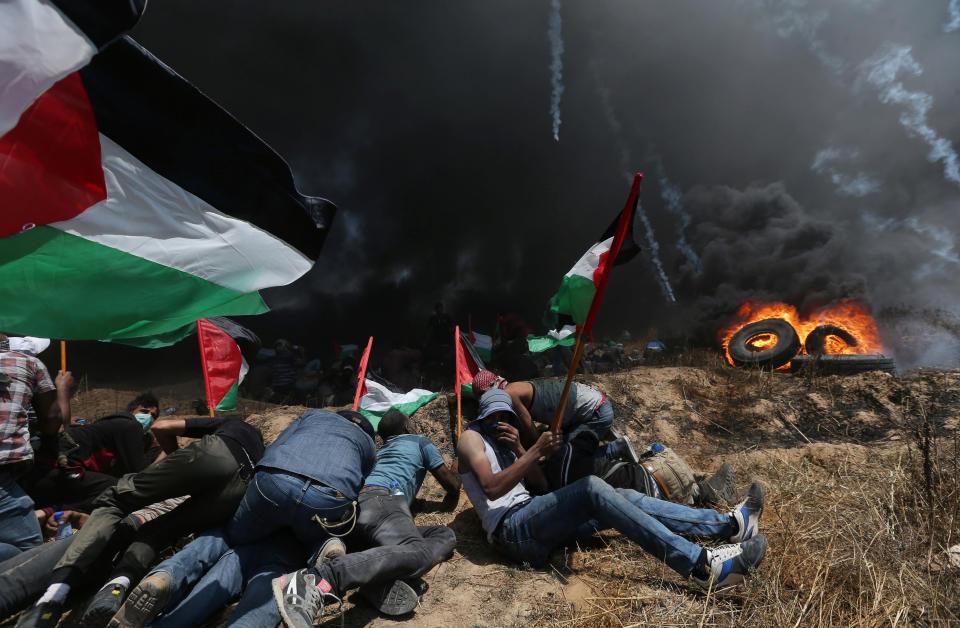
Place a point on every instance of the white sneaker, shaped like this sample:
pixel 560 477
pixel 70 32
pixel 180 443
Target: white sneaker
pixel 728 564
pixel 747 514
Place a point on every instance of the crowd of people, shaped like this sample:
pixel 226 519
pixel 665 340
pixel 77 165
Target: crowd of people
pixel 286 528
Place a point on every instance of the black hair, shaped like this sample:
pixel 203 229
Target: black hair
pixel 147 400
pixel 359 420
pixel 394 422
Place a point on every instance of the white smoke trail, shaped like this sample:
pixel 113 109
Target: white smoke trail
pixel 672 196
pixel 625 166
pixel 954 23
pixel 881 70
pixel 859 185
pixel 556 66
pixel 655 254
pixel 942 242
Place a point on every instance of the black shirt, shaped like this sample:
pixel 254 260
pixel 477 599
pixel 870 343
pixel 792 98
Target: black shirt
pixel 118 434
pixel 244 441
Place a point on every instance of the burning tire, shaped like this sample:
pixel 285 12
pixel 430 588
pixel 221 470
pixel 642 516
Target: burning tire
pixel 766 344
pixel 847 364
pixel 816 342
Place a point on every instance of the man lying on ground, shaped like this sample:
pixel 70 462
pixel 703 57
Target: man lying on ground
pixel 496 469
pixel 214 471
pixel 538 399
pixel 400 550
pixel 306 484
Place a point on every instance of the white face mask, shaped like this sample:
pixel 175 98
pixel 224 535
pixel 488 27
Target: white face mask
pixel 146 420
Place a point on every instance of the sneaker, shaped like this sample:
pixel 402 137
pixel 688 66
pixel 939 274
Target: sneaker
pixel 43 615
pixel 722 485
pixel 104 605
pixel 728 564
pixel 299 597
pixel 391 598
pixel 331 548
pixel 747 514
pixel 145 601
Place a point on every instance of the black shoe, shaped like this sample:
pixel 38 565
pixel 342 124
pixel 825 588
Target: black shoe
pixel 104 605
pixel 145 601
pixel 44 615
pixel 395 597
pixel 722 485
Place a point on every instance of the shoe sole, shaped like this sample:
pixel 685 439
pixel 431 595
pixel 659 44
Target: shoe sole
pixel 398 598
pixel 725 486
pixel 141 607
pixel 98 617
pixel 276 585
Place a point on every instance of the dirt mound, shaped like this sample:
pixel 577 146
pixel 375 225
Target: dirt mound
pixel 856 469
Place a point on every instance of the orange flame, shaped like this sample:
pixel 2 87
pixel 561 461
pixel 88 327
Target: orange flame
pixel 850 316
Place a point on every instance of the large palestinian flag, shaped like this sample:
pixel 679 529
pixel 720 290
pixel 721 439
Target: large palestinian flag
pixel 582 287
pixel 134 205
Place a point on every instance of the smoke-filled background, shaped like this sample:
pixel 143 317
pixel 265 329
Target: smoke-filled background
pixel 801 151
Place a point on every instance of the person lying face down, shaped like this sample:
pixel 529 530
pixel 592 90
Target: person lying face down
pixel 497 469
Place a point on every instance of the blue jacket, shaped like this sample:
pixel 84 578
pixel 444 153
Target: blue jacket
pixel 325 447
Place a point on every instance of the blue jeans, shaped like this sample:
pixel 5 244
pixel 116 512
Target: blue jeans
pixel 531 532
pixel 19 529
pixel 599 423
pixel 248 569
pixel 275 501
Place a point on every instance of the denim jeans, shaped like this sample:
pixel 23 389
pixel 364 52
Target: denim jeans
pixel 400 549
pixel 248 569
pixel 19 529
pixel 275 501
pixel 531 532
pixel 599 423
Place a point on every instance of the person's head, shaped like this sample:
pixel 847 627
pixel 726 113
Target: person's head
pixel 145 408
pixel 395 423
pixel 496 406
pixel 360 421
pixel 487 380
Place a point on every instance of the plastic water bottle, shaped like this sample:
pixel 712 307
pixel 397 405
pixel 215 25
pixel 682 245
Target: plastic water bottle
pixel 395 488
pixel 64 529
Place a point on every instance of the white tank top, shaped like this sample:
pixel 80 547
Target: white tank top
pixel 491 512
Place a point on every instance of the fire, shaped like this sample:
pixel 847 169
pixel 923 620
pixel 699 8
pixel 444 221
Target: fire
pixel 850 316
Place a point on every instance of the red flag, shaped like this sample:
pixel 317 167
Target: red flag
pixel 468 363
pixel 221 359
pixel 362 375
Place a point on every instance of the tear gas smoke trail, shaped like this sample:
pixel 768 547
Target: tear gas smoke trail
pixel 881 71
pixel 672 196
pixel 943 244
pixel 858 185
pixel 625 167
pixel 655 254
pixel 556 66
pixel 954 23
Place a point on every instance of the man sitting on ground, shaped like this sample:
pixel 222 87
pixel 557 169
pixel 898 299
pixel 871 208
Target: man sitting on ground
pixel 400 549
pixel 496 470
pixel 214 471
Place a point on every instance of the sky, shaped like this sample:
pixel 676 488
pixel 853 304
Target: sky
pixel 802 151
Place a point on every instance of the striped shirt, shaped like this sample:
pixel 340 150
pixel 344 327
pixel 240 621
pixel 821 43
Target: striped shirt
pixel 28 377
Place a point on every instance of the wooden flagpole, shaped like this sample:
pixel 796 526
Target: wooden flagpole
pixel 63 356
pixel 456 377
pixel 577 352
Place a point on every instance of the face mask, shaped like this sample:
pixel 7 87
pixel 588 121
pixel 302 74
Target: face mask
pixel 145 420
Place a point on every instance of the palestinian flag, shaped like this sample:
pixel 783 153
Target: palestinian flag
pixel 224 366
pixel 468 364
pixel 483 344
pixel 134 205
pixel 42 41
pixel 582 287
pixel 379 398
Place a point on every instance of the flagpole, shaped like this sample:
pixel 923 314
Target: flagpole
pixel 577 352
pixel 456 377
pixel 63 356
pixel 362 374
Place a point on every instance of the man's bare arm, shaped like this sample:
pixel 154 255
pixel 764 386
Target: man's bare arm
pixel 64 382
pixel 528 433
pixel 166 431
pixel 473 458
pixel 448 478
pixel 48 412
